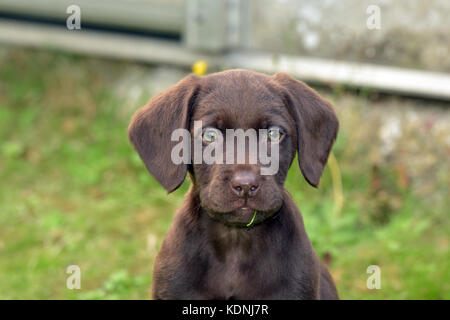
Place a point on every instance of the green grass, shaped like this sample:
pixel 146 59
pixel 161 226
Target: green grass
pixel 73 191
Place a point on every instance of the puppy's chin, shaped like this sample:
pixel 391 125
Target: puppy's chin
pixel 242 217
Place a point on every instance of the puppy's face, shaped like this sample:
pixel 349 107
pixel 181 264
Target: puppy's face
pixel 234 192
pixel 293 118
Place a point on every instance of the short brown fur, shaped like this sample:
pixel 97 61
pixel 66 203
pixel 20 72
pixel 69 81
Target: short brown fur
pixel 208 252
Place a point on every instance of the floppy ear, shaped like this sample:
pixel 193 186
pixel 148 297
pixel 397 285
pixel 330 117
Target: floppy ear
pixel 317 125
pixel 152 125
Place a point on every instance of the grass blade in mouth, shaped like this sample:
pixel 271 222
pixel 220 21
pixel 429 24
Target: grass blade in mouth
pixel 253 219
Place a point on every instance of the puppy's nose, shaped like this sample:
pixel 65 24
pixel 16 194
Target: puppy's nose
pixel 245 183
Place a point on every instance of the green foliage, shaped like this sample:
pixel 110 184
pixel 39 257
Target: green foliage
pixel 73 191
pixel 119 286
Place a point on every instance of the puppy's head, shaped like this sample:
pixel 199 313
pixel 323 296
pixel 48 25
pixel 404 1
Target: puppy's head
pixel 284 115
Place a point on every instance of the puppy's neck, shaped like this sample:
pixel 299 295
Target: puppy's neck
pixel 277 232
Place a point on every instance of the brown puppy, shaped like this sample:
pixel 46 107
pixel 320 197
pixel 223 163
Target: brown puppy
pixel 238 234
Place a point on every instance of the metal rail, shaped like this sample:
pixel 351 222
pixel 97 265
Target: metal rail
pixel 213 31
pixel 147 15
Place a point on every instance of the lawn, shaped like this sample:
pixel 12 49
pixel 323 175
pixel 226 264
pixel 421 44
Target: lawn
pixel 74 192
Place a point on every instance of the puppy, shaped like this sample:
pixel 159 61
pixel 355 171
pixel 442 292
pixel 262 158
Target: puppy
pixel 238 234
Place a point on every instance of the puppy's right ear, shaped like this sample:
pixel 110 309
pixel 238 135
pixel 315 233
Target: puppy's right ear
pixel 152 126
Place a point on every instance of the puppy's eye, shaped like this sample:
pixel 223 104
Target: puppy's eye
pixel 274 134
pixel 210 135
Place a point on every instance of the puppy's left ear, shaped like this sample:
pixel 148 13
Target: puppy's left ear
pixel 317 125
pixel 151 129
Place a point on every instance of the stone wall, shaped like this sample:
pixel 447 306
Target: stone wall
pixel 412 34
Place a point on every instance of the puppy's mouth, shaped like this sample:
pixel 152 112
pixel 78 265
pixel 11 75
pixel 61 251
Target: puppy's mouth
pixel 242 217
pixel 246 211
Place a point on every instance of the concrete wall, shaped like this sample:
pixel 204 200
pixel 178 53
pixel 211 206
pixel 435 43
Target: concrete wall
pixel 413 34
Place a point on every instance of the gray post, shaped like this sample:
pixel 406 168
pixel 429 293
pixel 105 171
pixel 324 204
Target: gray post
pixel 216 26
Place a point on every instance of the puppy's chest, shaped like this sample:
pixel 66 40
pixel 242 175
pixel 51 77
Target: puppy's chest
pixel 235 275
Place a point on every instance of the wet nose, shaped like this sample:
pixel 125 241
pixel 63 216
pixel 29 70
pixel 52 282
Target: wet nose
pixel 245 183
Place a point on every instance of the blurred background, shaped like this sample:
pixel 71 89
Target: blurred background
pixel 74 192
